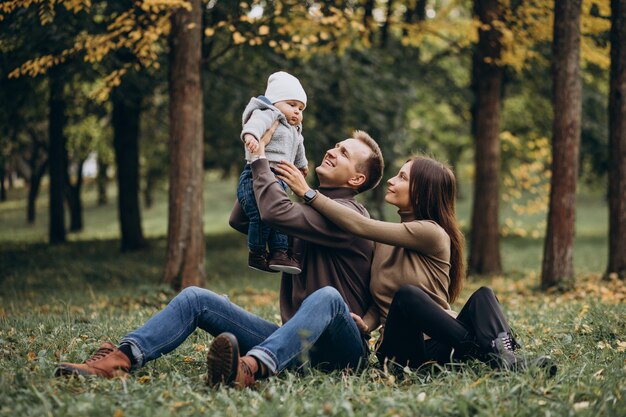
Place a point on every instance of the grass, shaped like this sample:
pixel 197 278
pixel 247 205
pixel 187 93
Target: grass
pixel 60 303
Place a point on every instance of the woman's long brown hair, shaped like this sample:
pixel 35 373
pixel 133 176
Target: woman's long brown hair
pixel 432 191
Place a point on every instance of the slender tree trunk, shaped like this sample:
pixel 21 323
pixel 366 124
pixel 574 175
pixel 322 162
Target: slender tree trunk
pixel 74 203
pixel 617 142
pixel 384 32
pixel 368 20
pixel 126 115
pixel 58 157
pixel 185 237
pixel 37 169
pixel 101 181
pixel 454 157
pixel 558 262
pixel 3 190
pixel 148 199
pixel 487 85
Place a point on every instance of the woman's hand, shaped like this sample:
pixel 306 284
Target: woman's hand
pixel 360 324
pixel 265 139
pixel 292 177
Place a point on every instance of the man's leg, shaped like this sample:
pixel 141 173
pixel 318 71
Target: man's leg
pixel 193 307
pixel 322 325
pixel 197 307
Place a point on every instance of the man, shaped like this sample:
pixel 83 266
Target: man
pixel 329 256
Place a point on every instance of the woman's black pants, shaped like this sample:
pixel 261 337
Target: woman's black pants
pixel 413 313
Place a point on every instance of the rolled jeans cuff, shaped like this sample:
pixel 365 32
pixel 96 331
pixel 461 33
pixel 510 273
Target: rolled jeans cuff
pixel 137 352
pixel 266 357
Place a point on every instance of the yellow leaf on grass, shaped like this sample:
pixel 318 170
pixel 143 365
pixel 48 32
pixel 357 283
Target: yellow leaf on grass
pixel 32 356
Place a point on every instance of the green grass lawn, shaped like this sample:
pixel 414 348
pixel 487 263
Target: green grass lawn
pixel 60 303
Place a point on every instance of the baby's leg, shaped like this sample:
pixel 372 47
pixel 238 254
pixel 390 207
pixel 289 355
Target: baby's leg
pixel 280 257
pixel 258 232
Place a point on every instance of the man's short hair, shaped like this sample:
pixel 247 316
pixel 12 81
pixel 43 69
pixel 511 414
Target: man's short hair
pixel 373 166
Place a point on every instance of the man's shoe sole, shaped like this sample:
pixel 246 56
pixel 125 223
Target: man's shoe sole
pixel 222 360
pixel 71 371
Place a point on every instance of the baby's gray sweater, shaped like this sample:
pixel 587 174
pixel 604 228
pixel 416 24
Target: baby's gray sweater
pixel 287 142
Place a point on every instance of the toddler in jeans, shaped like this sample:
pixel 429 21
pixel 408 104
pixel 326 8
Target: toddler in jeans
pixel 284 100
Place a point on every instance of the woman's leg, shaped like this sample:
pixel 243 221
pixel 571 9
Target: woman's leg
pixel 411 315
pixel 483 315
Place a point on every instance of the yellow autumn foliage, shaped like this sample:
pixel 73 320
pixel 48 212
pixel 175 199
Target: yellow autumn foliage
pixel 532 23
pixel 526 182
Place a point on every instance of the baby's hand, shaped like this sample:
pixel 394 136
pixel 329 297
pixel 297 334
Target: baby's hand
pixel 304 171
pixel 252 144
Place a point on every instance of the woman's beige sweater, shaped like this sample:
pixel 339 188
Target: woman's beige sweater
pixel 414 252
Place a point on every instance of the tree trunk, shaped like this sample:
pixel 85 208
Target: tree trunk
pixel 148 199
pixel 368 19
pixel 384 32
pixel 558 263
pixel 185 237
pixel 37 170
pixel 126 115
pixel 57 156
pixel 101 182
pixel 74 203
pixel 617 142
pixel 487 85
pixel 3 190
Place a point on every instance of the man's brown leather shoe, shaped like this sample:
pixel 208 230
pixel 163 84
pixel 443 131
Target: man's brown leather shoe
pixel 224 366
pixel 107 362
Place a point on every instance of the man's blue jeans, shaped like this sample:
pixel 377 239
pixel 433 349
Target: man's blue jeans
pixel 259 233
pixel 321 332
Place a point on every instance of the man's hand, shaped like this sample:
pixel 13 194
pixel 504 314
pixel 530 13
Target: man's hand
pixel 292 177
pixel 360 324
pixel 251 143
pixel 267 136
pixel 265 139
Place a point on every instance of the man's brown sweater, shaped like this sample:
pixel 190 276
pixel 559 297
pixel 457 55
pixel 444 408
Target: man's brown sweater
pixel 328 255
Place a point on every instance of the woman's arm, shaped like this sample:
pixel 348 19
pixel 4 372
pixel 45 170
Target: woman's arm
pixel 421 236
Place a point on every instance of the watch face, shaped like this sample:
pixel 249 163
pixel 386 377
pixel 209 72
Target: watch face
pixel 309 194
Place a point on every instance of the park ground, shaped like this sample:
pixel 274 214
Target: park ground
pixel 60 303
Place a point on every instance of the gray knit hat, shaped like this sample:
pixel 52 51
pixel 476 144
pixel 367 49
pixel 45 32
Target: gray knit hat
pixel 283 86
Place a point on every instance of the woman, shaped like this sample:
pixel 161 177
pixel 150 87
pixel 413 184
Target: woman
pixel 418 270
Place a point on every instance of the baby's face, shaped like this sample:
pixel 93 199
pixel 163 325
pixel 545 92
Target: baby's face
pixel 292 109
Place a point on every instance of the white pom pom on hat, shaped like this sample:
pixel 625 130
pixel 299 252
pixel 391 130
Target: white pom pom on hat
pixel 283 86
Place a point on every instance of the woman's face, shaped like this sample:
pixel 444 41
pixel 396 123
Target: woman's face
pixel 398 189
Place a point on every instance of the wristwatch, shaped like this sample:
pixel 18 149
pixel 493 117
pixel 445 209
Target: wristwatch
pixel 309 196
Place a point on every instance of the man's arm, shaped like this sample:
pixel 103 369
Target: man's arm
pixel 294 219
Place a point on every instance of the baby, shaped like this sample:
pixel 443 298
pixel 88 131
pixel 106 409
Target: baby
pixel 284 100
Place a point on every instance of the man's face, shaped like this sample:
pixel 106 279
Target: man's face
pixel 338 167
pixel 292 109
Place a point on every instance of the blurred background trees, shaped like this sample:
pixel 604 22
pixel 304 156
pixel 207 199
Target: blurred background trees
pixel 467 81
